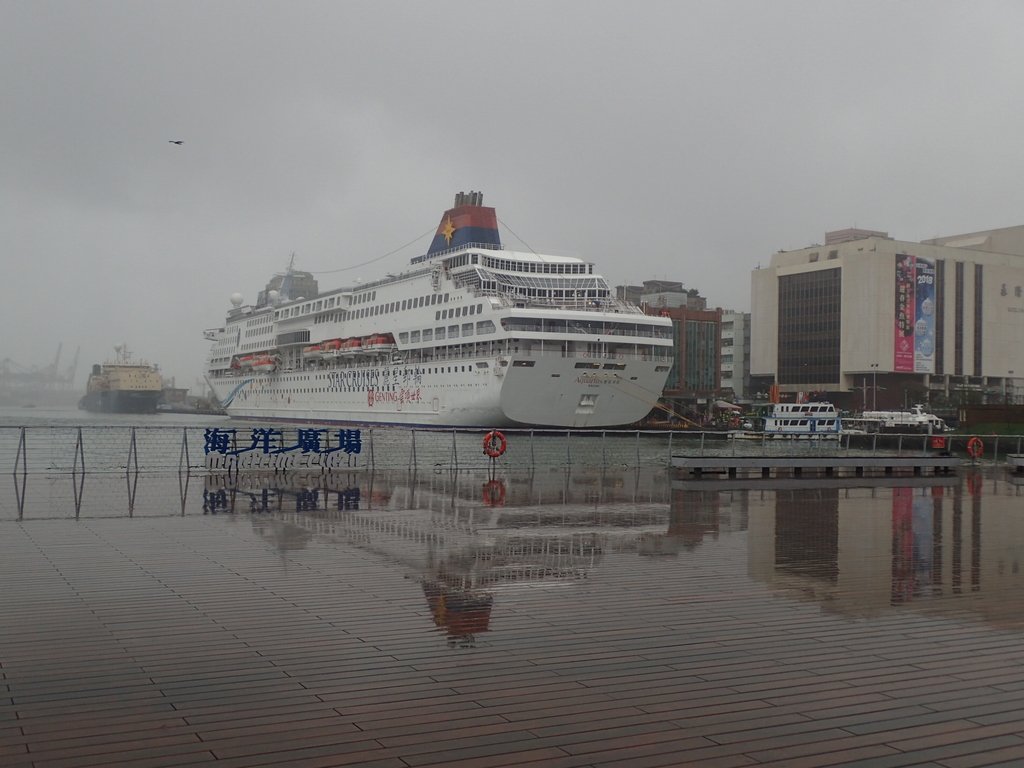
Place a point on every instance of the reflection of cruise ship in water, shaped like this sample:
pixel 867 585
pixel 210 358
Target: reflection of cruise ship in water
pixel 948 547
pixel 464 536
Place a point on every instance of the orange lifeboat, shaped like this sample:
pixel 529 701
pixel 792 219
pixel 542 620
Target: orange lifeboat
pixel 313 350
pixel 351 346
pixel 380 342
pixel 264 363
pixel 245 362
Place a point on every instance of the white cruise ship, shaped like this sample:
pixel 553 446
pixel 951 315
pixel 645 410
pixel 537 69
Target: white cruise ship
pixel 470 335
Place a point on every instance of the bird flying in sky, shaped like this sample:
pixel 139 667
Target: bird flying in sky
pixel 175 141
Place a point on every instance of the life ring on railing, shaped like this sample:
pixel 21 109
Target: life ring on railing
pixel 494 444
pixel 975 448
pixel 494 493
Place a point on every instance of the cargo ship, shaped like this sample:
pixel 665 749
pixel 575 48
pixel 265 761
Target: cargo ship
pixel 122 385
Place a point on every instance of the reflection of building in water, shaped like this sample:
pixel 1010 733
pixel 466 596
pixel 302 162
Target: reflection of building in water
pixel 701 513
pixel 464 535
pixel 864 551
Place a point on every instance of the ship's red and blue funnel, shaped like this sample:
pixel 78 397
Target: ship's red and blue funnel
pixel 468 221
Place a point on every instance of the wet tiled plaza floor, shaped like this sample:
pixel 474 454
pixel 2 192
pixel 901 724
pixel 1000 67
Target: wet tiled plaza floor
pixel 625 620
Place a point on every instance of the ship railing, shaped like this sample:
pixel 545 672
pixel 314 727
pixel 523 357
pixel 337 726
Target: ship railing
pixel 471 246
pixel 576 304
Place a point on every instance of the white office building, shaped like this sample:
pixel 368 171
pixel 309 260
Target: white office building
pixel 867 320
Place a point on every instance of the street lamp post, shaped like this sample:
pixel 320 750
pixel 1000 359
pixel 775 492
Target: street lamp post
pixel 874 386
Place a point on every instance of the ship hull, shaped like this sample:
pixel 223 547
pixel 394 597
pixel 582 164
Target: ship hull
pixel 550 392
pixel 114 401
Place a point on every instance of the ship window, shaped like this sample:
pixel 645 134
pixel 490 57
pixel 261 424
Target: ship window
pixel 428 334
pixel 485 326
pixel 403 337
pixel 439 333
pixel 467 329
pixel 482 365
pixel 446 297
pixel 453 331
pixel 615 366
pixel 588 365
pixel 524 363
pixel 437 315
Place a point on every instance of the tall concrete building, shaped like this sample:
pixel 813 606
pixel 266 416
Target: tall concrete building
pixel 735 354
pixel 695 378
pixel 866 320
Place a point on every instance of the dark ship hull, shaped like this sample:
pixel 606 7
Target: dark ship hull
pixel 119 401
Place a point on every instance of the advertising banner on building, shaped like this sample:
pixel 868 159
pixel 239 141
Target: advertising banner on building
pixel 903 344
pixel 924 316
pixel 914 329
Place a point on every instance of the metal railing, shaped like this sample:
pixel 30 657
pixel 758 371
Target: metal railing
pixel 61 449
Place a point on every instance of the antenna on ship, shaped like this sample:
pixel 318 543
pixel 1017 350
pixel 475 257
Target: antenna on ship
pixel 286 281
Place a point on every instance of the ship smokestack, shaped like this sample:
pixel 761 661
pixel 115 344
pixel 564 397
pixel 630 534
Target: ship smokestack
pixel 469 198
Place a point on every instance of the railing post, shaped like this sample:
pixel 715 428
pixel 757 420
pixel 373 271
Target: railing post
pixel 19 490
pixel 132 453
pixel 183 454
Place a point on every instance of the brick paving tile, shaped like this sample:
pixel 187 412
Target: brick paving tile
pixel 1008 757
pixel 842 757
pixel 937 756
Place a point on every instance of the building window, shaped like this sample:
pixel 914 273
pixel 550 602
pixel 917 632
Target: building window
pixel 979 305
pixel 809 328
pixel 958 320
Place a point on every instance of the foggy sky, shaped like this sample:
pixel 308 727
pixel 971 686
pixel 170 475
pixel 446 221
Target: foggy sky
pixel 675 140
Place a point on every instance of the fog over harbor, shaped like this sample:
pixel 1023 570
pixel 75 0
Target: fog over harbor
pixel 684 141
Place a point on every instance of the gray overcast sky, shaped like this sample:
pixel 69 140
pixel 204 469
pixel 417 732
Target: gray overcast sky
pixel 678 140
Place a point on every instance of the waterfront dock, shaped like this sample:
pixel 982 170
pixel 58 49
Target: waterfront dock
pixel 784 630
pixel 796 466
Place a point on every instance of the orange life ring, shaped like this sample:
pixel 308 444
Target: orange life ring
pixel 494 493
pixel 494 444
pixel 975 448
